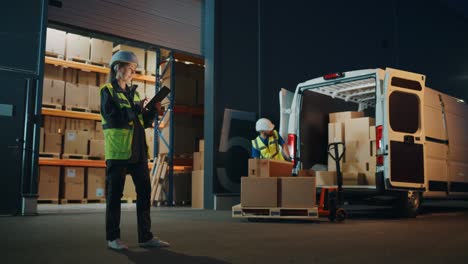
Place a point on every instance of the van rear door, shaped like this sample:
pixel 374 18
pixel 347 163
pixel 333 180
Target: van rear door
pixel 404 136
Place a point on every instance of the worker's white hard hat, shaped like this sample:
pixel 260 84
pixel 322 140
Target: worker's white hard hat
pixel 123 56
pixel 264 124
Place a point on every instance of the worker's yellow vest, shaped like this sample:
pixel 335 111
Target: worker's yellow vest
pixel 272 151
pixel 118 139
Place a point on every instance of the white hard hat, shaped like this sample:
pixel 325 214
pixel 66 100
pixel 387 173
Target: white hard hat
pixel 264 124
pixel 123 56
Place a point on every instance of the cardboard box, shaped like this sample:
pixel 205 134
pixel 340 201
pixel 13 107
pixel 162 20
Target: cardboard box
pixel 259 192
pixel 55 42
pixel 41 140
pixel 198 160
pixel 269 168
pixel 71 75
pixel 53 72
pixel 372 133
pixel 325 178
pixel 76 95
pixel 357 139
pixel 77 47
pixel 96 148
pixel 150 62
pixel 101 51
pixel 74 174
pixel 201 145
pixel 298 192
pixel 140 53
pixel 54 92
pixel 73 183
pixel 76 142
pixel 96 183
pixel 87 78
pixel 53 143
pixel 306 173
pixel 343 116
pixel 140 89
pixel 81 124
pixel 129 192
pixel 198 189
pixel 49 182
pixel 102 79
pixel 94 98
pixel 54 125
pixel 354 178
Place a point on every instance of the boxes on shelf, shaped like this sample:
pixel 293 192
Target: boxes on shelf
pixel 198 160
pixel 54 125
pixel 76 95
pixel 297 192
pixel 49 182
pixel 150 62
pixel 96 148
pixel 96 183
pixel 94 103
pixel 150 90
pixel 53 72
pixel 55 42
pixel 269 168
pixel 341 117
pixel 73 183
pixel 140 89
pixel 76 142
pixel 140 53
pixel 197 189
pixel 71 75
pixel 259 192
pixel 53 143
pixel 87 78
pixel 201 145
pixel 101 51
pixel 129 192
pixel 41 140
pixel 54 92
pixel 98 134
pixel 77 47
pixel 102 79
pixel 81 124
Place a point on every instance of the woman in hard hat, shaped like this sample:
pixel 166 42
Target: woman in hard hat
pixel 267 144
pixel 124 120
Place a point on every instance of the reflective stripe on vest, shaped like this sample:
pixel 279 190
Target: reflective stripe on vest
pixel 272 151
pixel 118 140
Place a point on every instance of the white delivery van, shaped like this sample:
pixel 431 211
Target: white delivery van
pixel 421 134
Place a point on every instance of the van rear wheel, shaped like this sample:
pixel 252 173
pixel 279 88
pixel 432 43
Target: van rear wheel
pixel 409 203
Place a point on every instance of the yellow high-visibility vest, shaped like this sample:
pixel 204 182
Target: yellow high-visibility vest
pixel 272 151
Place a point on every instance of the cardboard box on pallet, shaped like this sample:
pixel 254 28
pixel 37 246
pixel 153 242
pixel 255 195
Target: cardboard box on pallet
pixel 73 183
pixel 96 148
pixel 343 116
pixel 54 92
pixel 197 189
pixel 201 145
pixel 357 139
pixel 82 125
pixel 101 51
pixel 94 102
pixel 54 125
pixel 96 183
pixel 77 47
pixel 150 62
pixel 269 168
pixel 102 79
pixel 71 75
pixel 259 192
pixel 129 192
pixel 198 160
pixel 53 143
pixel 306 173
pixel 325 178
pixel 53 72
pixel 49 182
pixel 55 42
pixel 87 78
pixel 76 95
pixel 140 53
pixel 297 192
pixel 41 140
pixel 76 142
pixel 98 130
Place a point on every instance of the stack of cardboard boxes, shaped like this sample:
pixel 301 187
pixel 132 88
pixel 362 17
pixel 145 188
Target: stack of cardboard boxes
pixel 49 183
pixel 197 176
pixel 269 184
pixel 359 162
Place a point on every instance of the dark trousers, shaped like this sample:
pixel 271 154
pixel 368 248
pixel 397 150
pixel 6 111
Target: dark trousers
pixel 115 180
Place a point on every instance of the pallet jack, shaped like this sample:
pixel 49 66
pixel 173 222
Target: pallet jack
pixel 331 197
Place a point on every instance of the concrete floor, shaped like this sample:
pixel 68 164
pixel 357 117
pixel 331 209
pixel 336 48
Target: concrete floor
pixel 75 234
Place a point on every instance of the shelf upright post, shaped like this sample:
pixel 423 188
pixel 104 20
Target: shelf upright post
pixel 171 132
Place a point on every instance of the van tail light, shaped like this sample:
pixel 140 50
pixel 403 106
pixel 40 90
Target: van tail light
pixel 379 145
pixel 292 146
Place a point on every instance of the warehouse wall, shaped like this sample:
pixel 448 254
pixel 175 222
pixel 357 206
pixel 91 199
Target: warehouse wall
pixel 306 39
pixel 174 24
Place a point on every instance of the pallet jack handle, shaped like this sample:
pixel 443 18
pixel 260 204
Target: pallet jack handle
pixel 336 200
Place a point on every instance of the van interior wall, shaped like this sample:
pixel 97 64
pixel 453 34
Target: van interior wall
pixel 314 125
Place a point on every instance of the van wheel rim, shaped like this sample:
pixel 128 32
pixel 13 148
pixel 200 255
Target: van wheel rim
pixel 414 199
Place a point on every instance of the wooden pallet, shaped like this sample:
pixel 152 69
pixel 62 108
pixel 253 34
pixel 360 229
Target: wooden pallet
pixel 150 73
pixel 54 55
pixel 95 111
pixel 49 155
pixel 52 106
pixel 128 200
pixel 48 201
pixel 75 156
pixel 81 109
pixel 102 64
pixel 76 201
pixel 96 200
pixel 82 60
pixel 158 177
pixel 95 158
pixel 275 212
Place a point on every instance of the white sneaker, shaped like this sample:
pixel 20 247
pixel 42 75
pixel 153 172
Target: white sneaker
pixel 117 244
pixel 154 243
